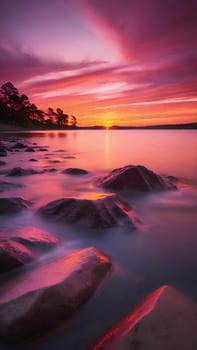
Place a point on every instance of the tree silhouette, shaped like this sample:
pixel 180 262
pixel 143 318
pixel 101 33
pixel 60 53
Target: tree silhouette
pixel 73 121
pixel 62 119
pixel 17 109
pixel 10 96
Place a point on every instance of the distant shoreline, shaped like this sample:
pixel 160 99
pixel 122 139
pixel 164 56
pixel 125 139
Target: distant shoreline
pixel 190 126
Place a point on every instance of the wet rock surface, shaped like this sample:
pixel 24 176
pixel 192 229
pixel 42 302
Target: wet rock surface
pixel 12 205
pixel 41 305
pixel 7 186
pixel 75 171
pixel 135 178
pixel 104 212
pixel 33 160
pixel 2 163
pixel 13 255
pixel 30 149
pixel 18 171
pixel 171 325
pixel 20 145
pixel 3 151
pixel 31 237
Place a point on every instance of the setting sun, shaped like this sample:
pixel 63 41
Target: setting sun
pixel 108 125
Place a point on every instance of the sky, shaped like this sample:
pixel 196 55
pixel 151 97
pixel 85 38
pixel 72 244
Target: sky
pixel 109 62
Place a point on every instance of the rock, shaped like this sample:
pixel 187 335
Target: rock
pixel 30 149
pixel 51 294
pixel 2 163
pixel 69 157
pixel 75 171
pixel 33 160
pixel 13 141
pixel 55 161
pixel 6 186
pixel 3 152
pixel 20 145
pixel 18 171
pixel 104 212
pixel 13 255
pixel 171 325
pixel 31 237
pixel 172 179
pixel 50 170
pixel 12 205
pixel 135 178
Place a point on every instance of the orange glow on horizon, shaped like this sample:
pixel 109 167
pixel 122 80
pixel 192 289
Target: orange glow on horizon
pixel 90 113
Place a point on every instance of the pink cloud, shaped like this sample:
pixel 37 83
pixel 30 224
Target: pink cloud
pixel 144 29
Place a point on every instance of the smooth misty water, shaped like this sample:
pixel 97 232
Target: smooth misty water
pixel 164 249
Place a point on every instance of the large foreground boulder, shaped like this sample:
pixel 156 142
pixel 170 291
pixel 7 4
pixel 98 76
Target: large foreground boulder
pixel 135 178
pixel 161 322
pixel 13 255
pixel 104 212
pixel 51 294
pixel 31 237
pixel 12 205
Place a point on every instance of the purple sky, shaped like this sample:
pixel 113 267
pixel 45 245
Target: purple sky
pixel 108 62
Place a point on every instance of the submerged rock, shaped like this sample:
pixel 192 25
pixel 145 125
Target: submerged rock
pixel 13 255
pixel 12 205
pixel 33 160
pixel 69 157
pixel 2 163
pixel 75 171
pixel 52 296
pixel 6 186
pixel 135 178
pixel 30 149
pixel 171 325
pixel 20 145
pixel 18 171
pixel 49 170
pixel 55 161
pixel 3 152
pixel 104 212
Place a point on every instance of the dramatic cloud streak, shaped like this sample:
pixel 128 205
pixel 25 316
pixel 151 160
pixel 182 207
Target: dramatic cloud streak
pixel 131 62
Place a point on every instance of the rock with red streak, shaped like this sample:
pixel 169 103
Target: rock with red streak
pixel 171 324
